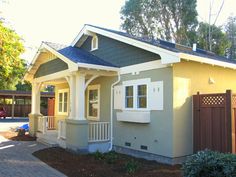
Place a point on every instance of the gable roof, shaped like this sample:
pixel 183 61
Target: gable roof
pixel 78 55
pixel 175 52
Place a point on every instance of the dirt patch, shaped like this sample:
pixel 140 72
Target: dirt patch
pixel 14 137
pixel 108 165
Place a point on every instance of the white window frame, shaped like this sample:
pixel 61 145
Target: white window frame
pixel 96 43
pixel 63 91
pixel 135 84
pixel 93 87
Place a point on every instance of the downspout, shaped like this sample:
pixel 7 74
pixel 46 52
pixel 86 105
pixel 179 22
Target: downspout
pixel 111 116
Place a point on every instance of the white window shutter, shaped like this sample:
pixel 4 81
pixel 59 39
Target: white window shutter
pixel 156 95
pixel 118 97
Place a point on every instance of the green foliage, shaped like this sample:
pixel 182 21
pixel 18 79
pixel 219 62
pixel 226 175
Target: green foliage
pixel 218 39
pixel 111 157
pixel 210 164
pixel 230 29
pixel 12 67
pixel 167 19
pixel 25 86
pixel 98 155
pixel 131 166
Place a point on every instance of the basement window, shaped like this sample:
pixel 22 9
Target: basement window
pixel 94 43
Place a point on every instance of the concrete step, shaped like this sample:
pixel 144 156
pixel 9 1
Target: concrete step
pixel 50 143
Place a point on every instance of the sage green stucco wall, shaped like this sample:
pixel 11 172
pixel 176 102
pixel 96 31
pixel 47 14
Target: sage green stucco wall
pixel 105 98
pixel 158 134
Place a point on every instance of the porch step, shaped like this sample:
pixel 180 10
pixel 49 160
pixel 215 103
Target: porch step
pixel 49 143
pixel 49 139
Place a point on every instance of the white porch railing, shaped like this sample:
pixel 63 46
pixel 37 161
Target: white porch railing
pixel 46 123
pixel 99 131
pixel 61 129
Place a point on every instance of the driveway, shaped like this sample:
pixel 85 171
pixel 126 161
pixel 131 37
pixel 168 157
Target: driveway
pixel 16 160
pixel 8 123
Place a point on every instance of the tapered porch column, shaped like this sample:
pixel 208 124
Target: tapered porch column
pixel 71 81
pixel 35 99
pixel 77 126
pixel 80 97
pixel 35 108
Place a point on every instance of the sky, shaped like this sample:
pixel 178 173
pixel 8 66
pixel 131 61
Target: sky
pixel 61 20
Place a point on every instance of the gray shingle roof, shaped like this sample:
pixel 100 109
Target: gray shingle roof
pixel 78 55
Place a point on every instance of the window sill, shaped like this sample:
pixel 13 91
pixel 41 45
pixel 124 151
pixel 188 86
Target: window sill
pixel 137 116
pixel 93 49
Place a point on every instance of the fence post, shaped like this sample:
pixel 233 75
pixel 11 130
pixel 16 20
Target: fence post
pixel 228 120
pixel 196 116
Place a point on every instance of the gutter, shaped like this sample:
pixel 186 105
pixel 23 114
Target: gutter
pixel 111 116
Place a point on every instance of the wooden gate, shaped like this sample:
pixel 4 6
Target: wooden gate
pixel 51 107
pixel 214 121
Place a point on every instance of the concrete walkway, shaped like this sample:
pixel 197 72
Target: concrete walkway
pixel 16 160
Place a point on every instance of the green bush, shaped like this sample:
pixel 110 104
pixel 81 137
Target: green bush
pixel 210 164
pixel 111 157
pixel 98 155
pixel 131 166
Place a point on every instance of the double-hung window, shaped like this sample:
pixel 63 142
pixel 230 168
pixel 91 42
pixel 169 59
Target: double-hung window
pixel 136 96
pixel 142 96
pixel 129 96
pixel 93 102
pixel 63 101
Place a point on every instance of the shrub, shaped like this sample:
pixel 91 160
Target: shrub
pixel 210 164
pixel 98 155
pixel 131 166
pixel 111 157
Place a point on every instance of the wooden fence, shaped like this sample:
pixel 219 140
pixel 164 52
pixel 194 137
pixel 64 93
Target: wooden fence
pixel 214 121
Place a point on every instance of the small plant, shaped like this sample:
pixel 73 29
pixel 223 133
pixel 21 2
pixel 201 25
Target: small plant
pixel 98 155
pixel 111 157
pixel 210 164
pixel 131 166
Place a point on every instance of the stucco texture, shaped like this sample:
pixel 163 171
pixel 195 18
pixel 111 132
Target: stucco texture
pixel 189 78
pixel 158 134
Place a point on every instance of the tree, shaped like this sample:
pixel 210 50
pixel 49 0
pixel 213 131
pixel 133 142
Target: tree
pixel 23 86
pixel 230 29
pixel 12 67
pixel 171 20
pixel 219 39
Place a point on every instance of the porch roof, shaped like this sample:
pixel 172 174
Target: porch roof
pixel 78 55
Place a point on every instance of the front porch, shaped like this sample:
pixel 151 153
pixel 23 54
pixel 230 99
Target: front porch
pixel 48 133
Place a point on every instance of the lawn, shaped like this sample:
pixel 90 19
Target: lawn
pixel 104 165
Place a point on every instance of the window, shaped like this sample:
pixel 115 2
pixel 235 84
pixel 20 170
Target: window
pixel 142 96
pixel 94 43
pixel 63 101
pixel 136 94
pixel 93 102
pixel 129 97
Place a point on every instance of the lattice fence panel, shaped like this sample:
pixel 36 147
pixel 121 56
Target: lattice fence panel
pixel 213 100
pixel 234 101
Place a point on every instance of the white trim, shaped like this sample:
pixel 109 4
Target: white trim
pixel 166 55
pixel 57 75
pixel 207 60
pixel 63 91
pixel 96 44
pixel 72 66
pixel 93 87
pixel 98 67
pixel 142 67
pixel 135 84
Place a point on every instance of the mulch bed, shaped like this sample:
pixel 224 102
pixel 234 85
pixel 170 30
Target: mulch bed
pixel 14 136
pixel 108 165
